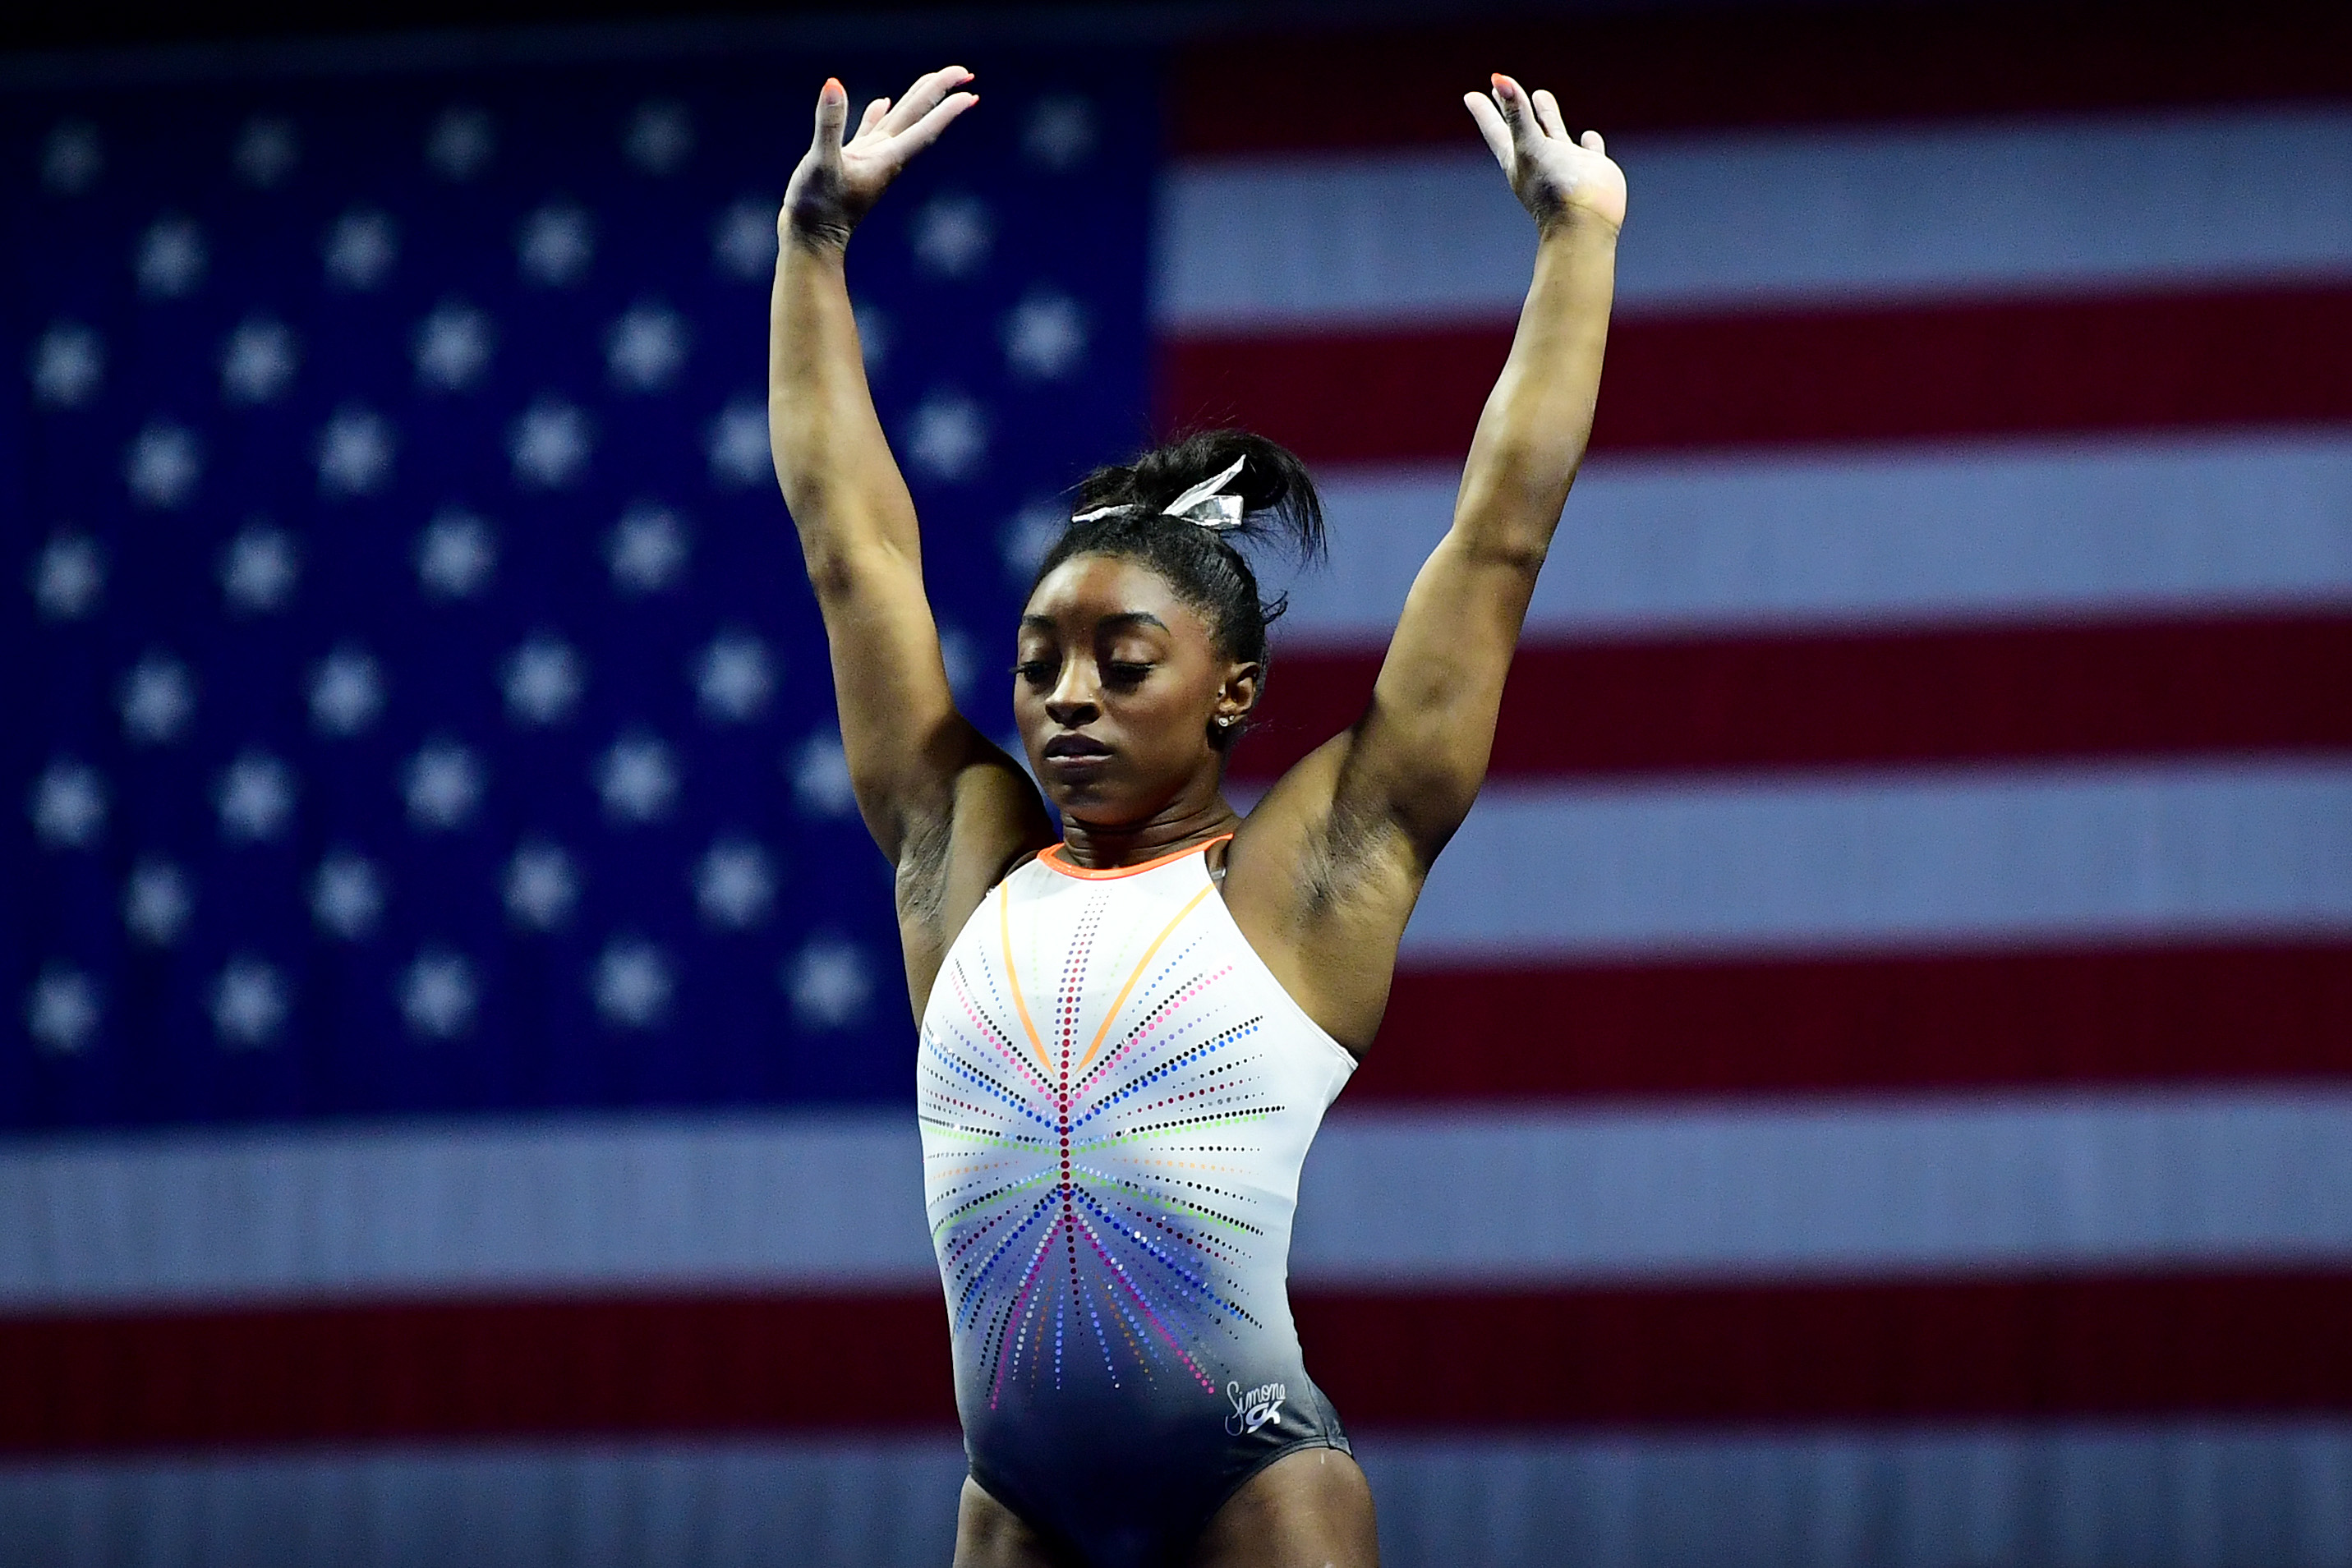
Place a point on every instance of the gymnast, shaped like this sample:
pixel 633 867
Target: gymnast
pixel 1131 1026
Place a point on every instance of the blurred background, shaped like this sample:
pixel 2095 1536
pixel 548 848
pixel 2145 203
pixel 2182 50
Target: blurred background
pixel 1872 1082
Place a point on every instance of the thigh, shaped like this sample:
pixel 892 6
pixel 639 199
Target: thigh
pixel 1309 1508
pixel 991 1535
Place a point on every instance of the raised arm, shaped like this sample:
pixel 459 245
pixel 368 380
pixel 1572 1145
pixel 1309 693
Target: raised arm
pixel 1420 753
pixel 945 804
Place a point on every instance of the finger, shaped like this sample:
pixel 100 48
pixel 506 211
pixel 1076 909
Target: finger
pixel 831 113
pixel 1512 99
pixel 1490 126
pixel 873 116
pixel 1592 144
pixel 925 131
pixel 923 96
pixel 1548 113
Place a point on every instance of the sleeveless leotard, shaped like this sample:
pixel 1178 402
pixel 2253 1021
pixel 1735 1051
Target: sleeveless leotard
pixel 1116 1097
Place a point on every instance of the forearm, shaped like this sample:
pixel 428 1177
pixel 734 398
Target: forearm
pixel 839 480
pixel 1532 433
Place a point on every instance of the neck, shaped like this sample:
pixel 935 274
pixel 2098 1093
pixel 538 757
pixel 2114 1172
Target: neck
pixel 1181 824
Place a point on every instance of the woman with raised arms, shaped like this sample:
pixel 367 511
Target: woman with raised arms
pixel 1130 1029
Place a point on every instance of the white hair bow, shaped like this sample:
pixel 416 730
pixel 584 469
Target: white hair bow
pixel 1204 504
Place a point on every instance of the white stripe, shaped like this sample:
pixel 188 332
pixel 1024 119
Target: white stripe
pixel 2189 1494
pixel 1423 1199
pixel 808 1199
pixel 1811 216
pixel 1848 862
pixel 1893 1187
pixel 1999 531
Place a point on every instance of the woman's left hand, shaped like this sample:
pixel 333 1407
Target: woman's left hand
pixel 1554 175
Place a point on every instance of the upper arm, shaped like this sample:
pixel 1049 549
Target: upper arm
pixel 1419 754
pixel 916 763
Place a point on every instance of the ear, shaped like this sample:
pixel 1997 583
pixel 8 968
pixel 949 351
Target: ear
pixel 1237 694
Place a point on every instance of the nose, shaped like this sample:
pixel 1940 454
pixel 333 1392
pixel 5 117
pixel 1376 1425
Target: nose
pixel 1072 702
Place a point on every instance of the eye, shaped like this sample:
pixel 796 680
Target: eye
pixel 1038 673
pixel 1124 673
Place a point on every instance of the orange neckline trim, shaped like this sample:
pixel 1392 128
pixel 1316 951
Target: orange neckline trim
pixel 1050 859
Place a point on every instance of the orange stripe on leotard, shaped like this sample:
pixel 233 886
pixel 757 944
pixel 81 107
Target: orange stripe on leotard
pixel 1013 976
pixel 1136 973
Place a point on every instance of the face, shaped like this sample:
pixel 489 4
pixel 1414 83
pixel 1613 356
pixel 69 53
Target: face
pixel 1117 685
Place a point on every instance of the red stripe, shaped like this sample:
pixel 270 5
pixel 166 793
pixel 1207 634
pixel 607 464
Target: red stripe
pixel 2073 1348
pixel 2134 1346
pixel 2145 1014
pixel 2236 685
pixel 475 1369
pixel 1792 377
pixel 1326 90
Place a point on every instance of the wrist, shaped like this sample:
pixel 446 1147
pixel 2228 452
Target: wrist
pixel 1577 224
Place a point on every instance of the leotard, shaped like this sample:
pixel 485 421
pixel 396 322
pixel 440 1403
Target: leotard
pixel 1116 1097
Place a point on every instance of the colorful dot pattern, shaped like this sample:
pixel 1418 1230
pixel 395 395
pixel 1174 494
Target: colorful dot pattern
pixel 1114 1099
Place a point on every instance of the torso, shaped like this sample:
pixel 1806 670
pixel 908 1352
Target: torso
pixel 1117 1094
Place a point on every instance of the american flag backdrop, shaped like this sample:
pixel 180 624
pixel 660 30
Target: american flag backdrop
pixel 1872 1082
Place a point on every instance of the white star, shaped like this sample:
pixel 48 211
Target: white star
pixel 156 901
pixel 542 680
pixel 249 1003
pixel 171 258
pixel 161 465
pixel 743 239
pixel 660 136
pixel 258 569
pixel 255 795
pixel 158 699
pixel 266 150
pixel 1045 336
pixel 738 443
pixel 1023 541
pixel 437 994
pixel 644 349
pixel 68 577
pixel 451 347
pixel 455 554
pixel 354 453
pixel 646 550
pixel 67 805
pixel 541 887
pixel 460 142
pixel 1061 131
pixel 734 677
pixel 733 884
pixel 360 249
pixel 61 1009
pixel 549 443
pixel 821 782
pixel 442 782
pixel 71 157
pixel 555 245
pixel 953 235
pixel 637 777
pixel 67 365
pixel 258 360
pixel 346 692
pixel 346 895
pixel 947 436
pixel 829 983
pixel 632 983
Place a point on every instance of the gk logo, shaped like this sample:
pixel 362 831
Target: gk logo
pixel 1253 1409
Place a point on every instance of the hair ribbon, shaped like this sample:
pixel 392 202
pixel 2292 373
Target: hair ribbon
pixel 1204 504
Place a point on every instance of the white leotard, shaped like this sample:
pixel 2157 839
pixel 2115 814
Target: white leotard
pixel 1117 1096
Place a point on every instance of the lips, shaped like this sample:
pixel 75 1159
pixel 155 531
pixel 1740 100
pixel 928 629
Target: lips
pixel 1076 748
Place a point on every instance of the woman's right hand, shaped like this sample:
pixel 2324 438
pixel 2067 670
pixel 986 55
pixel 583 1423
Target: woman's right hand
pixel 837 182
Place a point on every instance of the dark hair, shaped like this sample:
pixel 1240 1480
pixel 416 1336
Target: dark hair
pixel 1205 566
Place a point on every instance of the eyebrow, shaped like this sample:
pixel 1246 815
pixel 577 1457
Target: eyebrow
pixel 1123 618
